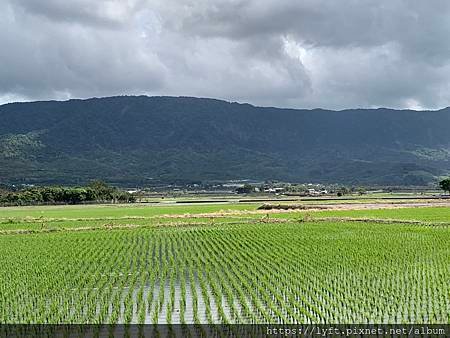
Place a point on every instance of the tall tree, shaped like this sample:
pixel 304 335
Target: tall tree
pixel 445 185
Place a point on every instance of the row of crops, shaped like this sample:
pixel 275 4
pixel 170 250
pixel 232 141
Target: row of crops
pixel 249 273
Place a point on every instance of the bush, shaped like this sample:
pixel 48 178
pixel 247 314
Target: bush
pixel 445 185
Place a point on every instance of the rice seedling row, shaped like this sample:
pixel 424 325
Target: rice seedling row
pixel 290 272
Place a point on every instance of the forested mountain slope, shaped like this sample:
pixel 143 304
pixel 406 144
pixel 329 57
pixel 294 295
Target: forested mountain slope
pixel 139 140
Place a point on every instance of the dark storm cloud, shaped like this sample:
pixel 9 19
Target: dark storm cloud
pixel 310 53
pixel 80 12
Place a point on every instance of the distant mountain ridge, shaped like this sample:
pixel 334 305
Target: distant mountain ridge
pixel 139 140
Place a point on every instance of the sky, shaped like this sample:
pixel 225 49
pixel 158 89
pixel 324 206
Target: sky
pixel 286 53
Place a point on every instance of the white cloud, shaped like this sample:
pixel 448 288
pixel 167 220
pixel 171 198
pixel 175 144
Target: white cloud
pixel 313 53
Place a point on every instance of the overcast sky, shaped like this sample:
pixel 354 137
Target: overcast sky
pixel 289 53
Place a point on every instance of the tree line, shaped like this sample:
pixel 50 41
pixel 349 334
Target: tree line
pixel 95 192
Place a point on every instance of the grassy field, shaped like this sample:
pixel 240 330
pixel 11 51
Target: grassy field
pixel 439 214
pixel 63 217
pixel 432 214
pixel 111 210
pixel 223 263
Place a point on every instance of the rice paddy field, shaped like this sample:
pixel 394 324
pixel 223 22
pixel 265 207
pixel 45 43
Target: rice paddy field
pixel 224 263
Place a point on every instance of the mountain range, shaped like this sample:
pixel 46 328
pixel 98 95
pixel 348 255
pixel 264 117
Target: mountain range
pixel 138 140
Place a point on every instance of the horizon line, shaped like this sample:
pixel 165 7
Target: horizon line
pixel 214 99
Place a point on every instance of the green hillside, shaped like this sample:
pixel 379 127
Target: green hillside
pixel 139 140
